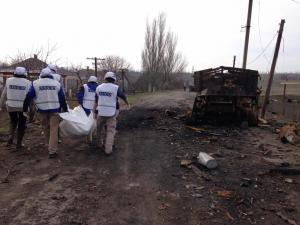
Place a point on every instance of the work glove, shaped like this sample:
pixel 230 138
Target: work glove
pixel 65 109
pixel 26 114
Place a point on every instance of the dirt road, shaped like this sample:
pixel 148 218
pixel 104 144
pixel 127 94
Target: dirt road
pixel 143 182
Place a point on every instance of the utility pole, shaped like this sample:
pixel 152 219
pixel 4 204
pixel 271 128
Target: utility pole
pixel 234 58
pixel 247 34
pixel 263 110
pixel 95 63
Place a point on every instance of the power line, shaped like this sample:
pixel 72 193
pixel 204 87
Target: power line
pixel 259 33
pixel 283 53
pixel 263 51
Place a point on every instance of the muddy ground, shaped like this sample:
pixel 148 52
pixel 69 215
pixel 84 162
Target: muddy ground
pixel 143 182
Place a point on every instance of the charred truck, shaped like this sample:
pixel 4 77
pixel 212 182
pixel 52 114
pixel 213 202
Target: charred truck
pixel 226 93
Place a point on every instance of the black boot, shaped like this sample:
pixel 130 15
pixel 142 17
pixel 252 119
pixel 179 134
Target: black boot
pixel 19 140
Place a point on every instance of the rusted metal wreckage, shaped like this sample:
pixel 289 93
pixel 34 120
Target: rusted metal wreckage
pixel 226 91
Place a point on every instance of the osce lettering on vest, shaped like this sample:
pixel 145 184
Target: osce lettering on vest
pixel 89 97
pixel 46 90
pixel 102 93
pixel 107 99
pixel 17 89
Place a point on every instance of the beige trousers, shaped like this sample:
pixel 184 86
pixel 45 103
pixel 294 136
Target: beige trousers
pixel 92 132
pixel 50 123
pixel 108 132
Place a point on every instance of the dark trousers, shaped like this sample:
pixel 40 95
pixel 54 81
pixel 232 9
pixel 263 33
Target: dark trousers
pixel 17 121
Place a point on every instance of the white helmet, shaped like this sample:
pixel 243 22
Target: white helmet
pixel 46 72
pixel 93 79
pixel 52 67
pixel 20 71
pixel 111 75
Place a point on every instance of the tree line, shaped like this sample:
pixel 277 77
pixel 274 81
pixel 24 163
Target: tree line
pixel 160 58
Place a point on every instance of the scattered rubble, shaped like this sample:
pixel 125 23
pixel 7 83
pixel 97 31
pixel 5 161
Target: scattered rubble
pixel 286 171
pixel 225 194
pixel 53 177
pixel 164 206
pixel 185 162
pixel 289 180
pixel 244 188
pixel 289 221
pixel 288 134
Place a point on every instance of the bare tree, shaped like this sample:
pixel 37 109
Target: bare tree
pixel 114 63
pixel 76 68
pixel 173 62
pixel 3 64
pixel 43 53
pixel 160 58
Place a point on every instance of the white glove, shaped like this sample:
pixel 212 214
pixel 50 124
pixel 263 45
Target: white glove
pixel 25 114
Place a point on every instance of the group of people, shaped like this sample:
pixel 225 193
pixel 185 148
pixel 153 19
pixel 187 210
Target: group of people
pixel 48 96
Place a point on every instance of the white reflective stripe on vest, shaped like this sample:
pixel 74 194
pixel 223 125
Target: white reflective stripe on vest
pixel 46 91
pixel 107 99
pixel 88 97
pixel 17 89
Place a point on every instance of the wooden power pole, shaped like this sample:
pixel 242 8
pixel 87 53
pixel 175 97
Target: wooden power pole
pixel 272 71
pixel 247 33
pixel 234 58
pixel 95 63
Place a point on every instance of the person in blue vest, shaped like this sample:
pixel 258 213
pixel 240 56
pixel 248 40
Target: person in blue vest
pixel 108 110
pixel 50 100
pixel 13 96
pixel 87 94
pixel 86 97
pixel 55 75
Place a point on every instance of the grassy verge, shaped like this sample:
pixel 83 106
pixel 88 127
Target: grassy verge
pixel 134 98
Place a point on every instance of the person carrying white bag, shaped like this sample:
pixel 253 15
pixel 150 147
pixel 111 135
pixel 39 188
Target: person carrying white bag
pixel 86 97
pixel 49 98
pixel 108 110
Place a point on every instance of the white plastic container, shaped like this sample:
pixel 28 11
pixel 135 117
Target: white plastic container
pixel 207 161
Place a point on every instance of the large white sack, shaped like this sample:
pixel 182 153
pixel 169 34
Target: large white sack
pixel 76 122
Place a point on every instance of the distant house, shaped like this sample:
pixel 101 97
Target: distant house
pixel 34 66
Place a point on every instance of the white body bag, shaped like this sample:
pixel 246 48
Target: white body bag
pixel 76 123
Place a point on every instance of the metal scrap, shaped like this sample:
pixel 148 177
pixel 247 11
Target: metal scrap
pixel 288 134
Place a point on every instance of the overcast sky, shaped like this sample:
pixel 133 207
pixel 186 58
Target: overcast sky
pixel 209 31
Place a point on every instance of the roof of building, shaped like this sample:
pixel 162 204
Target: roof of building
pixel 30 64
pixel 33 66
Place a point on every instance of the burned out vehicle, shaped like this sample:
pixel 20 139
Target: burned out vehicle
pixel 226 93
